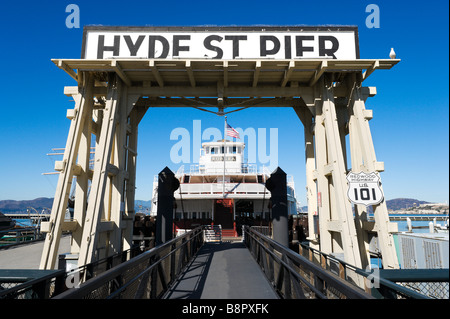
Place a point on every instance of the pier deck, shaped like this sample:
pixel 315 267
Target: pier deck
pixel 28 255
pixel 222 271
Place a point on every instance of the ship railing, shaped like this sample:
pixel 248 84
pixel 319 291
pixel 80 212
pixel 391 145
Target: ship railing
pixel 205 189
pixel 213 234
pixel 245 168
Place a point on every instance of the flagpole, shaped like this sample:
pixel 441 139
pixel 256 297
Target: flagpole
pixel 224 145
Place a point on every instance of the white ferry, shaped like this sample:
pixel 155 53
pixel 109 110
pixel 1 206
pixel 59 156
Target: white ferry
pixel 229 193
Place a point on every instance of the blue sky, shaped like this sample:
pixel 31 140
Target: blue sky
pixel 410 127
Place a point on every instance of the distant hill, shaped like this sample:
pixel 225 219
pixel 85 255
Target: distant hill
pixel 13 206
pixel 10 206
pixel 403 203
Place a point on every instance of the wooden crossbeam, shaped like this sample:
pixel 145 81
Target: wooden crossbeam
pixel 62 65
pixel 369 71
pixel 156 73
pixel 84 105
pixel 212 102
pixel 116 67
pixel 225 73
pixel 190 73
pixel 319 72
pixel 100 177
pixel 288 73
pixel 256 73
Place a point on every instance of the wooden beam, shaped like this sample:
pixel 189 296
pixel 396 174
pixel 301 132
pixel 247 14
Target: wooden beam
pixel 233 91
pixel 73 90
pixel 69 71
pixel 100 177
pixel 319 72
pixel 212 102
pixel 190 73
pixel 156 73
pixel 225 73
pixel 51 245
pixel 116 67
pixel 288 73
pixel 369 71
pixel 256 73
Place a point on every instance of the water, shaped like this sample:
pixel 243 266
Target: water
pixel 23 222
pixel 423 224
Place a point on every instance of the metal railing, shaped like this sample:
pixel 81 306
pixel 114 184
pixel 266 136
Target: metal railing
pixel 146 276
pixel 244 168
pixel 383 283
pixel 17 236
pixel 213 234
pixel 409 283
pixel 45 284
pixel 265 230
pixel 294 276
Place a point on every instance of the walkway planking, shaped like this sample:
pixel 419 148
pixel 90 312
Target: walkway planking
pixel 222 271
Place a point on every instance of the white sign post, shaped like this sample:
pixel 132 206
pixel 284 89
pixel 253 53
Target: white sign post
pixel 364 188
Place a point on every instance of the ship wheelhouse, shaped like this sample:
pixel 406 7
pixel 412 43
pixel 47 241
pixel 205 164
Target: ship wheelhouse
pixel 229 193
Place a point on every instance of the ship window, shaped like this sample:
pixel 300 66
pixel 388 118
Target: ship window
pixel 214 150
pixel 223 150
pixel 194 215
pixel 239 150
pixel 233 150
pixel 207 150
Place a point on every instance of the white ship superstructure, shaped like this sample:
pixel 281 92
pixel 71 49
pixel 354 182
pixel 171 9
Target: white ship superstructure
pixel 230 193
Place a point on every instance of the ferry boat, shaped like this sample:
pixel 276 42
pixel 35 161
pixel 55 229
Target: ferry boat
pixel 223 189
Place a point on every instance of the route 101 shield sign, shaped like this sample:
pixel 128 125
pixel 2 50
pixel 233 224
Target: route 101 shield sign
pixel 364 188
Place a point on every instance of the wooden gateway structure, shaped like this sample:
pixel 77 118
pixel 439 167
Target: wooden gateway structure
pixel 124 71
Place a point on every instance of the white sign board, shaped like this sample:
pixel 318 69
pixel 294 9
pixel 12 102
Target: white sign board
pixel 364 188
pixel 221 43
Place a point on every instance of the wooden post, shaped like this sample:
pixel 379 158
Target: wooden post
pixel 311 189
pixel 341 210
pixel 323 196
pixel 93 225
pixel 366 154
pixel 130 182
pixel 68 166
pixel 82 181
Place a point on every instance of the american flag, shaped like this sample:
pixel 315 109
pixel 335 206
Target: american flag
pixel 232 132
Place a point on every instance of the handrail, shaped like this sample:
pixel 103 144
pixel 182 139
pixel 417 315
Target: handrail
pixel 294 276
pixel 213 233
pixel 384 283
pixel 51 283
pixel 392 287
pixel 138 277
